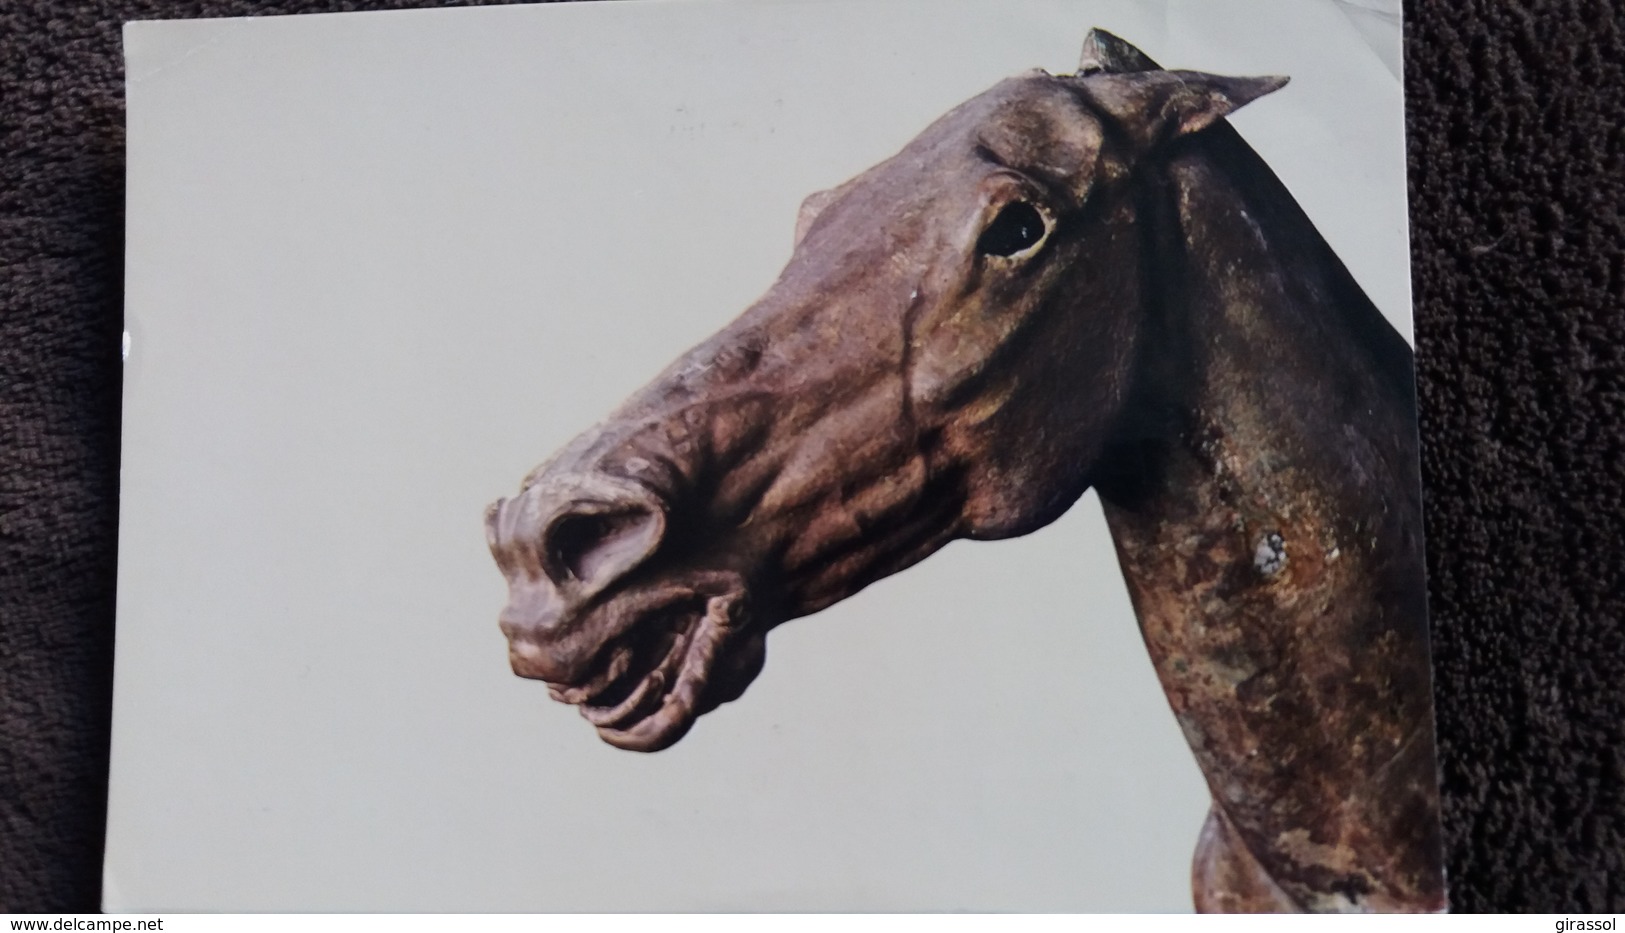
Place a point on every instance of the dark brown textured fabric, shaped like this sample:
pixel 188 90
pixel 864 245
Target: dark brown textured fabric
pixel 1517 161
pixel 1517 145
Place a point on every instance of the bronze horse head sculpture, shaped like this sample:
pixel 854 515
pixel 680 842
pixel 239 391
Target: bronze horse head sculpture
pixel 1068 281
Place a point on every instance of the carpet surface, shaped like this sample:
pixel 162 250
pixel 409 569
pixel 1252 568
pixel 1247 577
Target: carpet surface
pixel 1517 159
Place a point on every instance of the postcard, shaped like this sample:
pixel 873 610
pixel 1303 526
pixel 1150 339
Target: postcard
pixel 757 456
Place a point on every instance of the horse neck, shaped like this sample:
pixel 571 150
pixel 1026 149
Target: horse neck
pixel 1263 495
pixel 1267 380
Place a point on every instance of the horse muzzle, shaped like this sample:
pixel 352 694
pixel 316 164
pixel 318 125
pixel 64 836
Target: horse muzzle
pixel 642 645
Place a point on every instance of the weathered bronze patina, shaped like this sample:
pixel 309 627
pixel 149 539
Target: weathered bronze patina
pixel 1069 280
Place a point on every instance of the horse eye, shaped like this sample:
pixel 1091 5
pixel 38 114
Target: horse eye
pixel 1017 227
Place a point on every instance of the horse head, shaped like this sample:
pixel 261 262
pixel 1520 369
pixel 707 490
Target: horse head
pixel 944 356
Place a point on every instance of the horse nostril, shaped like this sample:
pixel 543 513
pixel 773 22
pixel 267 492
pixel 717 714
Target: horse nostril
pixel 596 542
pixel 582 544
pixel 575 533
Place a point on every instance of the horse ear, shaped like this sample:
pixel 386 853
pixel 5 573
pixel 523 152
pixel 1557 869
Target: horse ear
pixel 1156 106
pixel 1104 52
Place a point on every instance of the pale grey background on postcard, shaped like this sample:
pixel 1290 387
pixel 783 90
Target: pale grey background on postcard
pixel 380 265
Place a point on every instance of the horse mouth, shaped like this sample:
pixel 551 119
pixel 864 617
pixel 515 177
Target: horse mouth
pixel 655 680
